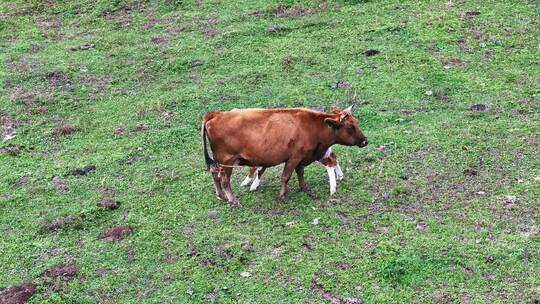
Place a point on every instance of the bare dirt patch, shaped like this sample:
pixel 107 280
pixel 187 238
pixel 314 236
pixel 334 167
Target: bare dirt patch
pixel 59 183
pixel 159 41
pixel 66 271
pixel 28 96
pixel 63 129
pixel 11 149
pixel 23 65
pixel 115 233
pixel 60 222
pixel 7 126
pixel 108 204
pixel 96 81
pixel 371 52
pixel 56 79
pixel 17 294
pixel 282 10
pixel 82 171
pixel 120 132
pixel 333 298
pixel 341 84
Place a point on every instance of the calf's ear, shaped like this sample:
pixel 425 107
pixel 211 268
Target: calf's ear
pixel 332 123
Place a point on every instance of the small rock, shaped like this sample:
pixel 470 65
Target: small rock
pixel 82 171
pixel 489 259
pixel 85 46
pixel 429 93
pixel 168 277
pixel 245 274
pixel 315 221
pixel 290 224
pixel 481 193
pixel 421 225
pixel 381 148
pixel 189 291
pixel 359 288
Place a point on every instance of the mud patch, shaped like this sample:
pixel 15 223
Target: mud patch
pixel 56 79
pixel 479 107
pixel 371 52
pixel 59 183
pixel 11 149
pixel 64 271
pixel 63 129
pixel 209 32
pixel 341 84
pixel 282 11
pixel 333 298
pixel 29 97
pixel 276 29
pixel 23 65
pixel 471 14
pixel 120 132
pixel 60 222
pixel 98 82
pixel 7 126
pixel 17 294
pixel 82 171
pixel 108 204
pixel 159 41
pixel 115 233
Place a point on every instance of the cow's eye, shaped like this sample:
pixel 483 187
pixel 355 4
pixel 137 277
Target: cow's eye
pixel 350 129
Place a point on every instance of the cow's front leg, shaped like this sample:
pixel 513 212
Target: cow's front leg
pixel 287 172
pixel 301 182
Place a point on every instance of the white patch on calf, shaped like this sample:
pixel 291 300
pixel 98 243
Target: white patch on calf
pixel 331 179
pixel 327 153
pixel 256 181
pixel 339 173
pixel 246 181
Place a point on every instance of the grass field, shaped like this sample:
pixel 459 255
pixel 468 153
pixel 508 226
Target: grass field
pixel 443 206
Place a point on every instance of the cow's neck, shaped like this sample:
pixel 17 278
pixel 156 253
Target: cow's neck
pixel 326 138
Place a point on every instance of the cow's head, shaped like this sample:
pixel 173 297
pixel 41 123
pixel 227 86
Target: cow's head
pixel 347 128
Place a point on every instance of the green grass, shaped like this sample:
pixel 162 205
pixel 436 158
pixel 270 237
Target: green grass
pixel 413 98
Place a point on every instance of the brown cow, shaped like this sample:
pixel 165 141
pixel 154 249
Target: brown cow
pixel 329 161
pixel 269 137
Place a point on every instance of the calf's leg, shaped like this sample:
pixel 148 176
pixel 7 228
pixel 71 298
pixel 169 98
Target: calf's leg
pixel 257 180
pixel 249 178
pixel 331 178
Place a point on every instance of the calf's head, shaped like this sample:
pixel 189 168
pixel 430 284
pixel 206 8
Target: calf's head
pixel 346 127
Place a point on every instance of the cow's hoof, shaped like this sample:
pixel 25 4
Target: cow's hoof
pixel 304 188
pixel 235 204
pixel 284 198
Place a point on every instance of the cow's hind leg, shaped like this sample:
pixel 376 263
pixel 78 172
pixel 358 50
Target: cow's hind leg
pixel 301 182
pixel 217 186
pixel 226 186
pixel 290 165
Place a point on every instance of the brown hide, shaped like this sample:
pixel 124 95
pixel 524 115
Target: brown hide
pixel 269 137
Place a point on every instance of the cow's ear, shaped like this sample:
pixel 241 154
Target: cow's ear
pixel 332 123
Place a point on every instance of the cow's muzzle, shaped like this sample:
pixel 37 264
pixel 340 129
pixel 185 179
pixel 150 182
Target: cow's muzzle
pixel 363 143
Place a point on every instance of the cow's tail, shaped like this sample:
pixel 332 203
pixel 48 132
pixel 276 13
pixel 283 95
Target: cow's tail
pixel 207 159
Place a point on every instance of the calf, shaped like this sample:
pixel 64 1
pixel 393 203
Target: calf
pixel 329 161
pixel 269 137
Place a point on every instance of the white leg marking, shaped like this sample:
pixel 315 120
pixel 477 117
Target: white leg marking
pixel 246 181
pixel 331 179
pixel 339 173
pixel 255 184
pixel 256 181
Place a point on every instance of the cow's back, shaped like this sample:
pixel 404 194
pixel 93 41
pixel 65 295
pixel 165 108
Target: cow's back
pixel 261 136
